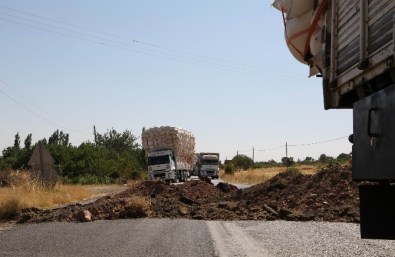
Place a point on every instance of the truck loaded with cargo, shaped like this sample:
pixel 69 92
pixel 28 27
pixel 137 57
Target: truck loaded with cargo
pixel 170 153
pixel 350 44
pixel 207 165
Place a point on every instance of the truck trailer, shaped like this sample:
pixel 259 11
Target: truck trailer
pixel 207 164
pixel 170 153
pixel 350 44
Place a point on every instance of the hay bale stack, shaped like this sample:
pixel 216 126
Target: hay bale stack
pixel 181 141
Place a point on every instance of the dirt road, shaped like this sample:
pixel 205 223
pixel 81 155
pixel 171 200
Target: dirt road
pixel 182 237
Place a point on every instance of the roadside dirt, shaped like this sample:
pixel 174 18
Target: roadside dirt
pixel 329 195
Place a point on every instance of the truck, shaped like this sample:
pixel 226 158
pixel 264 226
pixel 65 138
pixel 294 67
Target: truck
pixel 207 164
pixel 351 44
pixel 170 153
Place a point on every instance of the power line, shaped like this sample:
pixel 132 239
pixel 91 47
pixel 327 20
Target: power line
pixel 34 112
pixel 26 99
pixel 323 142
pixel 149 44
pixel 308 144
pixel 82 139
pixel 142 47
pixel 271 149
pixel 156 53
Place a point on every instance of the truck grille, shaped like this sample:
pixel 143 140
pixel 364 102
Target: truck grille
pixel 159 175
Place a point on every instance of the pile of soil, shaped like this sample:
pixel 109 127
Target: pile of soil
pixel 329 195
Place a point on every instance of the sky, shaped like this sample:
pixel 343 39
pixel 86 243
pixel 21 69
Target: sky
pixel 219 69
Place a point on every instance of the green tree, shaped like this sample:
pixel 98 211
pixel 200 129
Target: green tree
pixel 325 159
pixel 28 142
pixel 17 141
pixel 287 161
pixel 119 156
pixel 119 142
pixel 59 138
pixel 242 161
pixel 343 157
pixel 12 157
pixel 308 159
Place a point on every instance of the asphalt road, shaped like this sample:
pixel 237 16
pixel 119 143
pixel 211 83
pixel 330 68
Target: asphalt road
pixel 216 181
pixel 164 237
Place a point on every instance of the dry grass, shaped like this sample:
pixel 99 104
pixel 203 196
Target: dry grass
pixel 138 207
pixel 24 192
pixel 139 202
pixel 13 199
pixel 257 176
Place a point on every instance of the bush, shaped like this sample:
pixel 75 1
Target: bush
pixel 88 179
pixel 242 161
pixel 287 161
pixel 137 175
pixel 294 170
pixel 9 208
pixel 229 169
pixel 136 207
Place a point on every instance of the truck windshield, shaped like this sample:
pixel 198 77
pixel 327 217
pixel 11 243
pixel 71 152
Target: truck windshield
pixel 210 162
pixel 158 160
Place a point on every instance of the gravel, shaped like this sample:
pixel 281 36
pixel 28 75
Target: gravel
pixel 287 238
pixel 182 237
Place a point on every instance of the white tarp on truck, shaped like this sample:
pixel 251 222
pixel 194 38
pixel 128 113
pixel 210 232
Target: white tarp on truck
pixel 303 28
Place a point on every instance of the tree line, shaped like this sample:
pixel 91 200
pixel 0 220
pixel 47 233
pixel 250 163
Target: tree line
pixel 243 162
pixel 113 156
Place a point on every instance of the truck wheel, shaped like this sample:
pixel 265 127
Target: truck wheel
pixel 175 180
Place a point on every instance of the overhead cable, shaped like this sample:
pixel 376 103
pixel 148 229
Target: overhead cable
pixel 123 43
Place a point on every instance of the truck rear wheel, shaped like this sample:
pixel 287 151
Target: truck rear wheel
pixel 377 208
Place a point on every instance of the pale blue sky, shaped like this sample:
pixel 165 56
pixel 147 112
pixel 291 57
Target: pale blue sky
pixel 220 69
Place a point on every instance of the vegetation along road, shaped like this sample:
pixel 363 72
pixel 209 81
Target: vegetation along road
pixel 182 237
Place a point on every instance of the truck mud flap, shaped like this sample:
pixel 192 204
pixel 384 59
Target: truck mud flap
pixel 377 209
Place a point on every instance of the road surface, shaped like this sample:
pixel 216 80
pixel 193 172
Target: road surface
pixel 164 237
pixel 216 181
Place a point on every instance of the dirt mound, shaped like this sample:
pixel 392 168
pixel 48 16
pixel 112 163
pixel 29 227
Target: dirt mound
pixel 329 195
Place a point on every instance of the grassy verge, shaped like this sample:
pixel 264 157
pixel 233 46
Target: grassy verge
pixel 26 193
pixel 13 199
pixel 256 176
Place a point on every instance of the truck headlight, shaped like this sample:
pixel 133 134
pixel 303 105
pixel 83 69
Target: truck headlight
pixel 167 166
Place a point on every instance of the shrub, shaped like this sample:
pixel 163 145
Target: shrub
pixel 9 207
pixel 229 169
pixel 88 179
pixel 136 207
pixel 137 175
pixel 294 170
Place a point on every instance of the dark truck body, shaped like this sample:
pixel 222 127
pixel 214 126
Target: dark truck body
pixel 358 69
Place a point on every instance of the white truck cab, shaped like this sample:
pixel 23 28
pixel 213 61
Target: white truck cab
pixel 208 165
pixel 161 165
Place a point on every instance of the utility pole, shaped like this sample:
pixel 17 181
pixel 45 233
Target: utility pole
pixel 286 149
pixel 98 158
pixel 253 154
